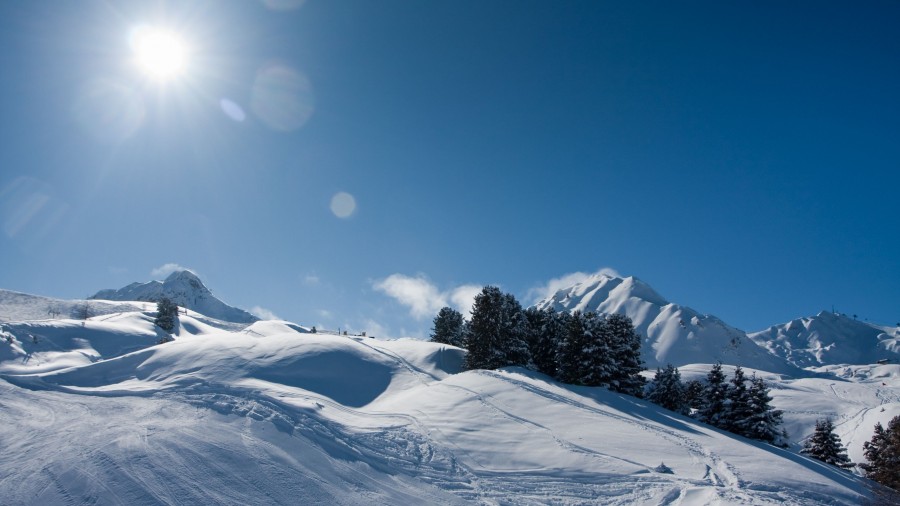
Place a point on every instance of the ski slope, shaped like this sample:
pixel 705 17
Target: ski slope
pixel 273 414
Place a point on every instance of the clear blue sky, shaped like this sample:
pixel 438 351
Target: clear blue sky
pixel 743 159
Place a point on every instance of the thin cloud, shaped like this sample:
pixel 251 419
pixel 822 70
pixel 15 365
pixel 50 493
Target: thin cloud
pixel 164 270
pixel 263 313
pixel 549 288
pixel 463 298
pixel 422 297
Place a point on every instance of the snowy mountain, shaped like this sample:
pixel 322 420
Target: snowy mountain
pixel 185 289
pixel 673 334
pixel 16 306
pixel 274 414
pixel 830 339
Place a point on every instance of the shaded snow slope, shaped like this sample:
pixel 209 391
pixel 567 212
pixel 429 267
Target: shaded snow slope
pixel 276 415
pixel 830 338
pixel 15 306
pixel 673 334
pixel 853 397
pixel 185 289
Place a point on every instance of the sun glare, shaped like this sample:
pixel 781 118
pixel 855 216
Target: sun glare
pixel 159 53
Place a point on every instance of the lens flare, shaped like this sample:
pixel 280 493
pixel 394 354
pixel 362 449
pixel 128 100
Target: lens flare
pixel 282 98
pixel 343 205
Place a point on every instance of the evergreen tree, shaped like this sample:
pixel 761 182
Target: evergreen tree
pixel 883 455
pixel 764 420
pixel 449 327
pixel 166 315
pixel 693 394
pixel 625 349
pixel 596 364
pixel 737 413
pixel 546 330
pixel 569 364
pixel 667 390
pixel 495 336
pixel 826 446
pixel 713 409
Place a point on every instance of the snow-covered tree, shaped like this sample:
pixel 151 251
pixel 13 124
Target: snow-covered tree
pixel 693 394
pixel 713 409
pixel 546 331
pixel 496 333
pixel 765 421
pixel 625 349
pixel 667 390
pixel 166 314
pixel 737 414
pixel 883 454
pixel 597 365
pixel 449 327
pixel 569 357
pixel 826 446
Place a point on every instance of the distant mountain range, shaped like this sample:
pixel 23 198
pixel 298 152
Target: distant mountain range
pixel 680 335
pixel 183 288
pixel 830 338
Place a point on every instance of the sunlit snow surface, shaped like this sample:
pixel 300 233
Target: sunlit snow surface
pixel 273 414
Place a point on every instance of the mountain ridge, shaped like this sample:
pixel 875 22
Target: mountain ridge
pixel 183 288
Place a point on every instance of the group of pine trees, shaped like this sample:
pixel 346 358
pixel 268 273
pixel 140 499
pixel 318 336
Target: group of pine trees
pixel 577 348
pixel 883 454
pixel 741 405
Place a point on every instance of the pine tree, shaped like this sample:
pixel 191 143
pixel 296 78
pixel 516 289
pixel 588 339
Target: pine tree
pixel 713 408
pixel 546 330
pixel 826 446
pixel 166 315
pixel 596 364
pixel 693 394
pixel 496 334
pixel 667 390
pixel 737 413
pixel 883 455
pixel 625 349
pixel 449 327
pixel 568 361
pixel 764 421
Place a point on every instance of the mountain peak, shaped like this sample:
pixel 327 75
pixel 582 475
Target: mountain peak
pixel 673 333
pixel 183 288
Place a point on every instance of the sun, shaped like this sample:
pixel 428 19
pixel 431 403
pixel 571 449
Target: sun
pixel 159 53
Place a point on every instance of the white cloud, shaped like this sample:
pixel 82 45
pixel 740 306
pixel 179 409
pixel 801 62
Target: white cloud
pixel 375 329
pixel 311 280
pixel 164 270
pixel 263 313
pixel 463 298
pixel 541 292
pixel 324 313
pixel 423 298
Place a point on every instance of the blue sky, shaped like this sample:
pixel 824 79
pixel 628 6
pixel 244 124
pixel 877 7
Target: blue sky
pixel 742 159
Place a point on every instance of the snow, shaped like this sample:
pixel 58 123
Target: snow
pixel 96 412
pixel 673 334
pixel 830 338
pixel 185 289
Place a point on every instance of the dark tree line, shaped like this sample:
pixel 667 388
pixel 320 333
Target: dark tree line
pixel 741 405
pixel 883 455
pixel 578 348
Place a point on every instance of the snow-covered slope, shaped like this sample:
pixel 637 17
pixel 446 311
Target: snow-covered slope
pixel 16 306
pixel 185 289
pixel 273 414
pixel 673 334
pixel 829 339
